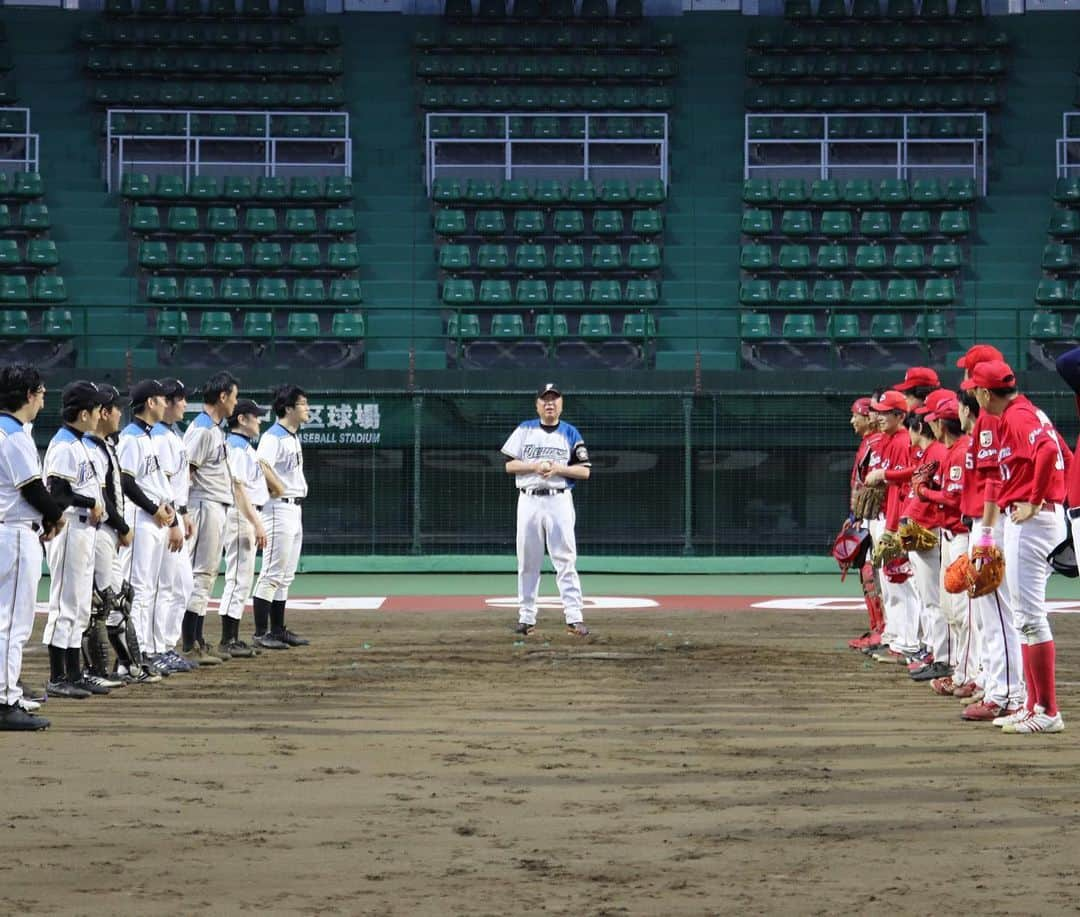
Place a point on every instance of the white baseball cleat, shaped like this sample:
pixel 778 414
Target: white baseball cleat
pixel 1022 714
pixel 1039 721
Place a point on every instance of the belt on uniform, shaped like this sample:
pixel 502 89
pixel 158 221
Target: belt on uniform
pixel 969 521
pixel 33 526
pixel 85 520
pixel 296 501
pixel 258 509
pixel 1048 507
pixel 182 510
pixel 1073 512
pixel 544 492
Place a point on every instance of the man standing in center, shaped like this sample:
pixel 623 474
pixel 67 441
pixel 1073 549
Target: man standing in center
pixel 212 494
pixel 547 457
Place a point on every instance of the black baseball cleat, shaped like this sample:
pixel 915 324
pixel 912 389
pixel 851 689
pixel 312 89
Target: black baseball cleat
pixel 64 688
pixel 269 642
pixel 525 630
pixel 237 649
pixel 932 671
pixel 288 637
pixel 577 629
pixel 14 719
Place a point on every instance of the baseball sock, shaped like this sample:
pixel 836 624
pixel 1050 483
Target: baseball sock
pixel 1043 658
pixel 199 621
pixel 187 630
pixel 57 663
pixel 261 614
pixel 277 616
pixel 1030 683
pixel 74 664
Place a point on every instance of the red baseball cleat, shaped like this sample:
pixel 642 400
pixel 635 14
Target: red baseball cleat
pixel 967 689
pixel 985 711
pixel 867 641
pixel 943 686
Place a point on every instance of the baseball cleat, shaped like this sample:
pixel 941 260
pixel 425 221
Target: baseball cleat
pixel 891 656
pixel 205 647
pixel 65 689
pixel 1039 721
pixel 577 629
pixel 1022 714
pixel 145 676
pixel 96 685
pixel 986 712
pixel 932 671
pixel 525 630
pixel 237 649
pixel 28 705
pixel 267 642
pixel 967 689
pixel 288 637
pixel 870 641
pixel 943 686
pixel 14 719
pixel 857 643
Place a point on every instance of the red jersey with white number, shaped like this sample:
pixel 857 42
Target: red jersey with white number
pixel 946 491
pixel 895 457
pixel 981 468
pixel 1031 456
pixel 913 507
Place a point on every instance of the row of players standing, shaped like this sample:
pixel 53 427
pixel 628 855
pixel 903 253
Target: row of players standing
pixel 1003 477
pixel 135 523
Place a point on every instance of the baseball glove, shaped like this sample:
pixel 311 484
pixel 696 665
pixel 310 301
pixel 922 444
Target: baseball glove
pixel 913 537
pixel 961 575
pixel 923 477
pixel 898 570
pixel 888 547
pixel 867 501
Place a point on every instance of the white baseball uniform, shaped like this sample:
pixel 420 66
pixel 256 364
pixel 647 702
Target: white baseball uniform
pixel 211 496
pixel 177 582
pixel 280 449
pixel 545 514
pixel 107 573
pixel 20 551
pixel 71 553
pixel 240 547
pixel 141 561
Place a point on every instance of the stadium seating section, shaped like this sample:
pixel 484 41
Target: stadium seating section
pixel 248 268
pixel 1052 325
pixel 832 268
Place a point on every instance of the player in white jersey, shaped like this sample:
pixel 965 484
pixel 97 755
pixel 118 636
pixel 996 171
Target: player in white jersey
pixel 547 457
pixel 176 576
pixel 28 514
pixel 149 509
pixel 212 493
pixel 75 486
pixel 244 533
pixel 282 460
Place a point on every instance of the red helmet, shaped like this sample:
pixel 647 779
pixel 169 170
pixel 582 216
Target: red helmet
pixel 898 570
pixel 847 547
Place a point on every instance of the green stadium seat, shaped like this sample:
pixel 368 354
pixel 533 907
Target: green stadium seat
pixel 549 191
pixel 615 192
pixel 271 188
pixel 581 191
pixel 1052 292
pixel 304 256
pixel 344 291
pixel 492 257
pixel 930 327
pixel 832 258
pixel 643 257
pixel 569 223
pixel 829 293
pixel 305 188
pixel 960 191
pixel 842 327
pixel 10 256
pixel 302 326
pixel 267 256
pixel 532 293
pixel 796 223
pixel 170 188
pixel 203 188
pixel 49 288
pixel 798 326
pixel 641 292
pixel 607 222
pixel 650 191
pixel 228 256
pixel 260 221
pixel 450 223
pixel 870 258
pixel 272 291
pixel 348 326
pixel 514 191
pixel 529 223
pixel 791 191
pixel 496 293
pixel 755 258
pixel 909 258
pixel 792 292
pixel 507 326
pixel 903 292
pixel 199 290
pixel 757 222
pixel 755 292
pixel 1058 256
pixel 605 293
pixel 480 192
pixel 860 191
pixel 606 258
pixel 824 191
pixel 926 191
pixel 57 323
pixel 885 326
pixel 647 223
pixel 1046 326
pixel 345 256
pixel 755 326
pixel 954 223
pixel 568 258
pixel 144 219
pixel 172 324
pixel 893 191
pixel 238 188
pixel 836 223
pixel 595 325
pixel 42 253
pixel 191 256
pixel 216 324
pixel 236 291
pixel 309 291
pixel 865 292
pixel 568 292
pixel 915 223
pixel 338 189
pixel 447 191
pixel 301 221
pixel 158 290
pixel 183 220
pixel 14 323
pixel 638 326
pixel 947 257
pixel 258 325
pixel 939 291
pixel 875 223
pixel 553 326
pixel 530 258
pixel 1067 190
pixel 136 186
pixel 757 191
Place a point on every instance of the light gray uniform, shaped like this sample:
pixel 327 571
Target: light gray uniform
pixel 211 497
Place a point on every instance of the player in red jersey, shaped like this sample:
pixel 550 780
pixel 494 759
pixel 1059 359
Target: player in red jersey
pixel 1030 495
pixel 869 435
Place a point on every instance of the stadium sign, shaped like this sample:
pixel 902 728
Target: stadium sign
pixel 342 423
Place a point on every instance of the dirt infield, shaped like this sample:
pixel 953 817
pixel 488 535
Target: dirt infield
pixel 410 764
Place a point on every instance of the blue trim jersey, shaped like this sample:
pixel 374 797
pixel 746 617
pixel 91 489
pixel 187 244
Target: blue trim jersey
pixel 19 465
pixel 281 450
pixel 67 458
pixel 173 456
pixel 533 442
pixel 138 457
pixel 205 444
pixel 245 468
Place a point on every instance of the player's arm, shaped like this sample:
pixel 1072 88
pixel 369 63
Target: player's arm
pixel 65 496
pixel 517 466
pixel 37 495
pixel 243 504
pixel 161 512
pixel 579 467
pixel 273 482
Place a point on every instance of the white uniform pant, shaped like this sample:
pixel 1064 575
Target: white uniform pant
pixel 1028 571
pixel 935 631
pixel 107 573
pixel 1003 667
pixel 239 564
pixel 20 573
pixel 140 564
pixel 901 603
pixel 71 582
pixel 965 636
pixel 281 556
pixel 209 519
pixel 547 521
pixel 173 597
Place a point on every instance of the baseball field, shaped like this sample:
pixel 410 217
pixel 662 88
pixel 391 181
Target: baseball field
pixel 696 755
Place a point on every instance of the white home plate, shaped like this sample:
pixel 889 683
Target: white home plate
pixel 596 602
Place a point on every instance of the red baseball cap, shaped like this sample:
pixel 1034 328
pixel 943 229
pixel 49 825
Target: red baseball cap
pixel 945 409
pixel 890 401
pixel 979 353
pixel 932 399
pixel 861 406
pixel 916 376
pixel 989 374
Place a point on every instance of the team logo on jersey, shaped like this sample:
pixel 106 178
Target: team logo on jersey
pixel 956 473
pixel 986 438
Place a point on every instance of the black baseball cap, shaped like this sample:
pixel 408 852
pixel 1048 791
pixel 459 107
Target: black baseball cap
pixel 174 388
pixel 110 393
pixel 145 389
pixel 247 406
pixel 81 395
pixel 548 388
